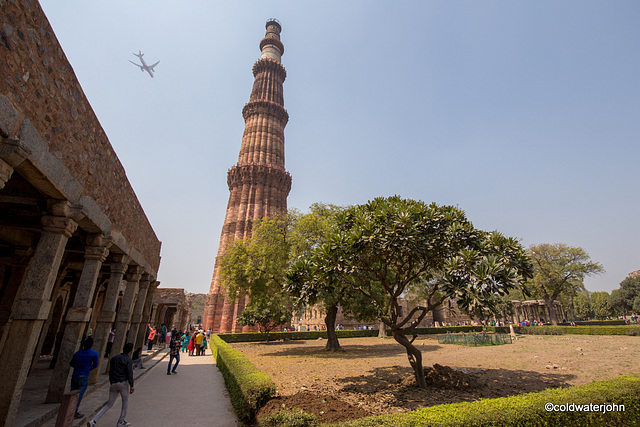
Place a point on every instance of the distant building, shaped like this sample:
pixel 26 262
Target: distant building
pixel 196 303
pixel 313 318
pixel 170 308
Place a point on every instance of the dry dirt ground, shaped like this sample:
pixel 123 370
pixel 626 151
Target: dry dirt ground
pixel 372 376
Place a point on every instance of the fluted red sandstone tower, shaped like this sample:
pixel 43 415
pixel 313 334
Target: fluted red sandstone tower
pixel 258 184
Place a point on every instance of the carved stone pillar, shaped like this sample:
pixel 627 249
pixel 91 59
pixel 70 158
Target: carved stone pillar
pixel 177 321
pixel 107 314
pixel 136 317
pixel 78 315
pixel 146 314
pixel 5 173
pixel 124 315
pixel 19 265
pixel 30 312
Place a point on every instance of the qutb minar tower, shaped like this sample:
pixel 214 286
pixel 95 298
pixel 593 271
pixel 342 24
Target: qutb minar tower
pixel 258 184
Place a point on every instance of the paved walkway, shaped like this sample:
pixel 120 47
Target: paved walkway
pixel 196 395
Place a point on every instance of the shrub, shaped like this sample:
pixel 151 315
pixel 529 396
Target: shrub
pixel 288 418
pixel 314 335
pixel 595 323
pixel 528 409
pixel 248 387
pixel 579 330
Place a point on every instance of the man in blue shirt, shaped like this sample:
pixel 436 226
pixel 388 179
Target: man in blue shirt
pixel 83 361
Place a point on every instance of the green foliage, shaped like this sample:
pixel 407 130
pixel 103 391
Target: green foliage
pixel 288 418
pixel 600 304
pixel 308 232
pixel 593 328
pixel 256 266
pixel 393 245
pixel 314 335
pixel 527 409
pixel 475 339
pixel 559 270
pixel 626 300
pixel 390 246
pixel 248 387
pixel 266 313
pixel 596 323
pixel 588 305
pixel 582 305
pixel 579 330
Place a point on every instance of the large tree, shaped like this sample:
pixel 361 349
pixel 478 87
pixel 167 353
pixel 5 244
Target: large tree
pixel 267 313
pixel 256 267
pixel 627 299
pixel 559 269
pixel 392 245
pixel 582 306
pixel 600 304
pixel 308 287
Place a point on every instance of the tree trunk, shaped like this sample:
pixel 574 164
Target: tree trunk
pixel 551 311
pixel 330 322
pixel 415 358
pixel 382 332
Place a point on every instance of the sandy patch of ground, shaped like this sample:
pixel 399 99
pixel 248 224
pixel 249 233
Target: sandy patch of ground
pixel 373 375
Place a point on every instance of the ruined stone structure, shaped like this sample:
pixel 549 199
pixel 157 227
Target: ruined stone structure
pixel 258 184
pixel 535 310
pixel 313 318
pixel 196 303
pixel 170 308
pixel 77 253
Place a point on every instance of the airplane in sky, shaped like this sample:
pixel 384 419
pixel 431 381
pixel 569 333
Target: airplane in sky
pixel 144 66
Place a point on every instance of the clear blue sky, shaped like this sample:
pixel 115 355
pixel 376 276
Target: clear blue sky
pixel 524 114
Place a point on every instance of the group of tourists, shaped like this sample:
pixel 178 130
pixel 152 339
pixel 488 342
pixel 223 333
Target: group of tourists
pixel 120 377
pixel 121 366
pixel 195 344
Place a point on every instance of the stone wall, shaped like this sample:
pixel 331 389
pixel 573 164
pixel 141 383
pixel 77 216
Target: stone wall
pixel 39 81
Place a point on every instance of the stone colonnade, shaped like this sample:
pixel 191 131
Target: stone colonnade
pixel 62 265
pixel 535 310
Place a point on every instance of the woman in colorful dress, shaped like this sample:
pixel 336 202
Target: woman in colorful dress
pixel 192 344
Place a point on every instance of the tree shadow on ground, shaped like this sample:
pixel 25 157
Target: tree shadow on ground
pixel 349 351
pixel 395 386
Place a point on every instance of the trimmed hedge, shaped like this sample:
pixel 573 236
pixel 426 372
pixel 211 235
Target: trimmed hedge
pixel 302 335
pixel 249 387
pixel 527 409
pixel 288 418
pixel 579 330
pixel 532 330
pixel 595 323
pixel 314 335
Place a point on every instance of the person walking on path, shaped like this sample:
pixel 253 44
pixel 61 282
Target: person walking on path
pixel 198 342
pixel 82 362
pixel 152 335
pixel 112 336
pixel 174 353
pixel 203 346
pixel 185 342
pixel 137 358
pixel 192 344
pixel 121 379
pixel 196 396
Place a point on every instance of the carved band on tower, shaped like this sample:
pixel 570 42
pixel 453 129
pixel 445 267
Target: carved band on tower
pixel 258 184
